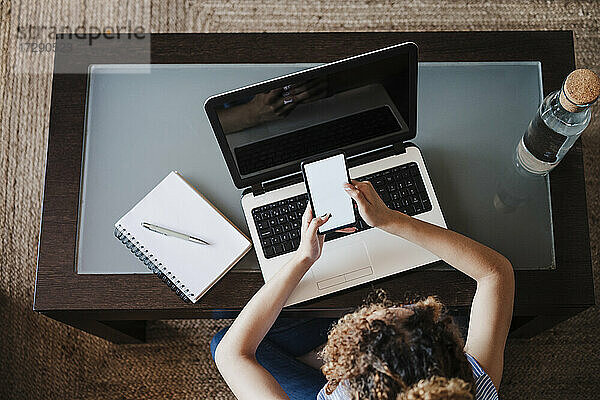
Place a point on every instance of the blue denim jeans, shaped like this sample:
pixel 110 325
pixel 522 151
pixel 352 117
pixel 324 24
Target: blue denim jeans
pixel 288 339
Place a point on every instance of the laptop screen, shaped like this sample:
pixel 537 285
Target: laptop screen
pixel 358 105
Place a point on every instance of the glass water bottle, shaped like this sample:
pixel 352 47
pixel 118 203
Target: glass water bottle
pixel 558 123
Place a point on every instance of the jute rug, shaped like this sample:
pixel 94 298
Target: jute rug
pixel 43 359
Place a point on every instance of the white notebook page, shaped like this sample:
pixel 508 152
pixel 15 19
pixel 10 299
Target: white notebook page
pixel 176 205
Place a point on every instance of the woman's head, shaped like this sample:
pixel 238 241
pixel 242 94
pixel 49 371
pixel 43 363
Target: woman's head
pixel 384 351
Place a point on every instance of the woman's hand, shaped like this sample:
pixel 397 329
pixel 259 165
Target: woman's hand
pixel 311 242
pixel 269 106
pixel 370 206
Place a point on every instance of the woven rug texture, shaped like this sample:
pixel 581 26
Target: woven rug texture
pixel 43 359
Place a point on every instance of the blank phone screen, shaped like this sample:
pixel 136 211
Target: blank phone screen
pixel 325 179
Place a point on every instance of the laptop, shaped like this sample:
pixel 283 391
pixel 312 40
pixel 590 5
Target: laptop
pixel 365 105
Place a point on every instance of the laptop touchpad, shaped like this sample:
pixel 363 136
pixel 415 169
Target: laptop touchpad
pixel 341 263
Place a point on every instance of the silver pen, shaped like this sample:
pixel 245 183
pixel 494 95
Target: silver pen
pixel 169 232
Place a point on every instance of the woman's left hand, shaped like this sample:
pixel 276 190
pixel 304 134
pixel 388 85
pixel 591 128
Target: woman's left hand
pixel 311 242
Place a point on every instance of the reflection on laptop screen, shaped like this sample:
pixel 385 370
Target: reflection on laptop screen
pixel 339 109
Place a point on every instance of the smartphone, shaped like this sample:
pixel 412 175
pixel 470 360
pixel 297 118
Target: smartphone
pixel 324 177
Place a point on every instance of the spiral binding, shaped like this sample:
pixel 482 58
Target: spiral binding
pixel 153 265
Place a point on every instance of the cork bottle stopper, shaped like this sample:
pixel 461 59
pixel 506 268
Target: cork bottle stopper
pixel 581 88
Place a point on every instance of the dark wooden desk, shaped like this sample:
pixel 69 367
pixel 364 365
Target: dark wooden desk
pixel 116 307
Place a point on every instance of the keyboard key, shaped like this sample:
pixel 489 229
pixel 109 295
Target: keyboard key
pixel 262 224
pixel 426 205
pixel 265 233
pixel 269 251
pixel 275 240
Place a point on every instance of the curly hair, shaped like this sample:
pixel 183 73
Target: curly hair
pixel 398 357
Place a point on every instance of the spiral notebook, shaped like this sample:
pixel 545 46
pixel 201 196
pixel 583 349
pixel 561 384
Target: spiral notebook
pixel 189 268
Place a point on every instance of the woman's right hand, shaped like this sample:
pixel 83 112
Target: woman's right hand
pixel 370 206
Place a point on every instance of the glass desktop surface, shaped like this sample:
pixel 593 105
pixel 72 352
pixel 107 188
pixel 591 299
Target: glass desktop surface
pixel 144 121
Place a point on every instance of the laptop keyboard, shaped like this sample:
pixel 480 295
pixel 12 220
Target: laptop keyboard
pixel 278 224
pixel 302 143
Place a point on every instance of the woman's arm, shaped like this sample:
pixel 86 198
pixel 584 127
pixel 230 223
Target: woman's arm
pixel 491 311
pixel 235 355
